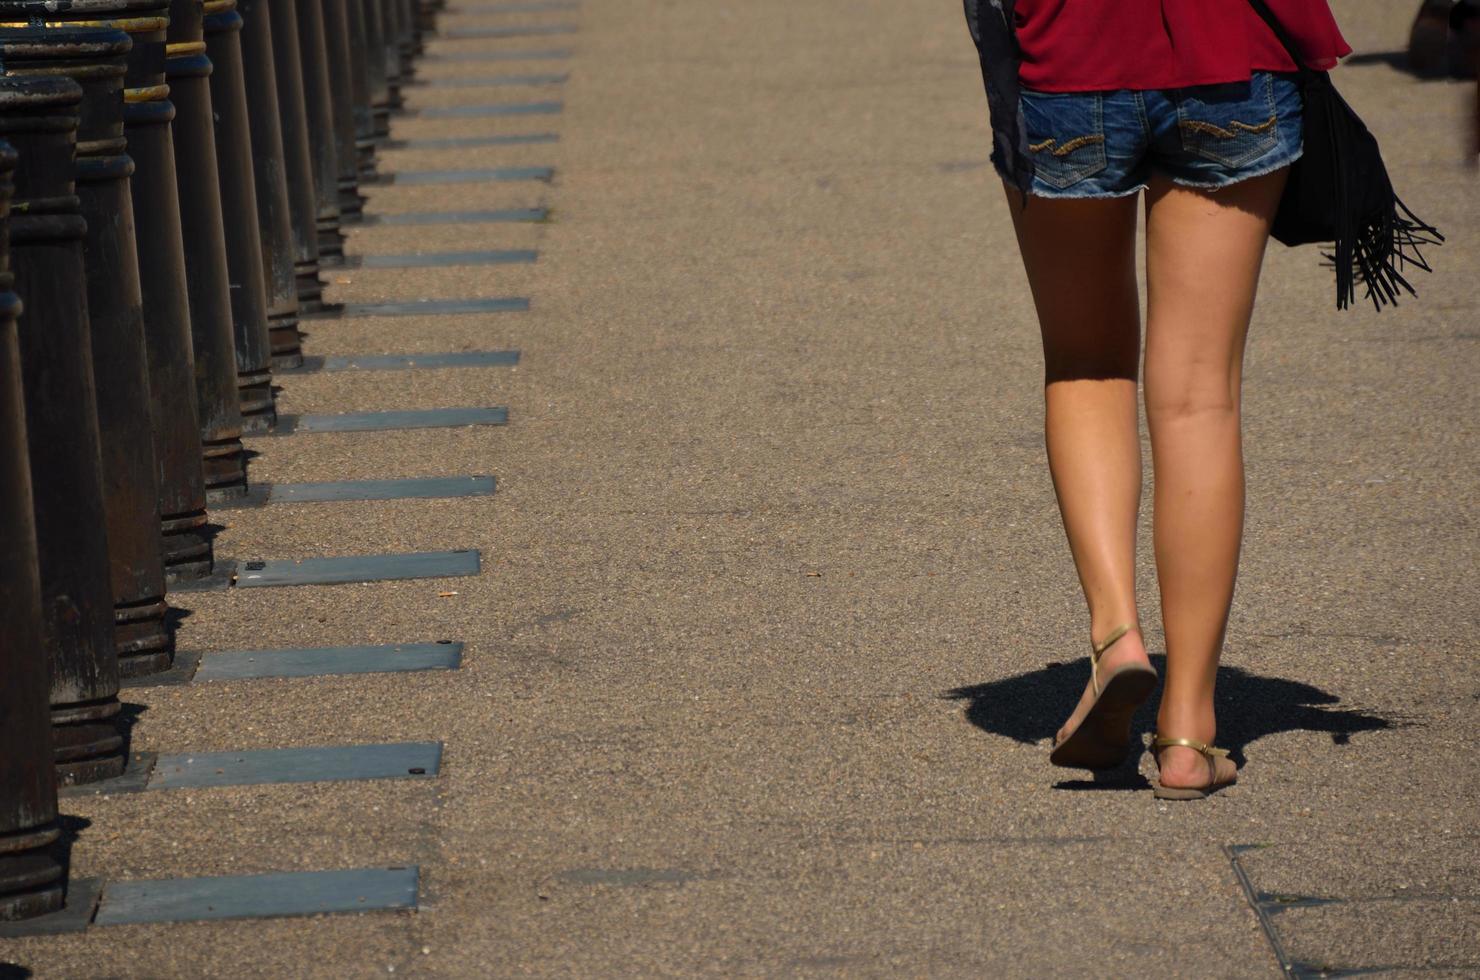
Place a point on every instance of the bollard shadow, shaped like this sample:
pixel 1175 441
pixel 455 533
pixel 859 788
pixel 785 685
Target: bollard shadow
pixel 14 971
pixel 1030 707
pixel 124 721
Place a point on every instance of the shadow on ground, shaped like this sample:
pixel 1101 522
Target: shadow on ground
pixel 1030 707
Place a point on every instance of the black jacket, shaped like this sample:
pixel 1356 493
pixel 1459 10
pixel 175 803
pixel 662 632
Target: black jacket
pixel 991 26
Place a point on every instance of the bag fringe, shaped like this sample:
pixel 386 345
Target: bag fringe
pixel 1377 253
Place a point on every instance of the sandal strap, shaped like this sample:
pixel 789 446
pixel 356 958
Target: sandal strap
pixel 1209 751
pixel 1098 649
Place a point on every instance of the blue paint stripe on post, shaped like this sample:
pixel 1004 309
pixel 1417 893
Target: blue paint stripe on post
pixel 309 764
pixel 357 568
pixel 232 665
pixel 497 109
pixel 257 896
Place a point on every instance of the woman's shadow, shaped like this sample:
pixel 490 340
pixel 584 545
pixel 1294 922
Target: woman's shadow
pixel 1030 707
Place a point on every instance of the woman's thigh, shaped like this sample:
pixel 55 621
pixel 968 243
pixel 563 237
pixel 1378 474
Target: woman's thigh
pixel 1080 257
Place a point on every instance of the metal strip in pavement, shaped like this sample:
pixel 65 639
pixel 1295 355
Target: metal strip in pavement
pixel 426 418
pixel 494 109
pixel 235 665
pixel 405 362
pixel 75 916
pixel 338 491
pixel 309 764
pixel 435 260
pixel 457 217
pixel 489 81
pixel 490 33
pixel 459 143
pixel 514 7
pixel 494 175
pixel 357 568
pixel 516 54
pixel 257 896
pixel 434 307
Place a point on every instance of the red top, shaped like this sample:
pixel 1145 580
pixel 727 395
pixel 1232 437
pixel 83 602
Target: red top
pixel 1098 45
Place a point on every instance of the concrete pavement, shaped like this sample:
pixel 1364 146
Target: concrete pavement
pixel 775 613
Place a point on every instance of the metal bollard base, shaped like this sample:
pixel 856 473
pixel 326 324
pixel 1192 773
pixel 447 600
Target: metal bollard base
pixel 224 463
pixel 142 635
pixel 87 752
pixel 31 883
pixel 259 412
pixel 186 545
pixel 285 340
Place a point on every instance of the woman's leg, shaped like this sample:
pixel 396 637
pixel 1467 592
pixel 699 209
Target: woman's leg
pixel 1080 256
pixel 1203 254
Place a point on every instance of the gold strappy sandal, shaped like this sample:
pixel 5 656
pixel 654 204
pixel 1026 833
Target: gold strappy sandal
pixel 1209 752
pixel 1103 737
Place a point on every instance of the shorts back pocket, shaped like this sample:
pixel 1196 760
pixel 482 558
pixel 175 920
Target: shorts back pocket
pixel 1066 135
pixel 1230 124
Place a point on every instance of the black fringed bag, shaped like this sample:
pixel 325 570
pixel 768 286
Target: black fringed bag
pixel 1339 191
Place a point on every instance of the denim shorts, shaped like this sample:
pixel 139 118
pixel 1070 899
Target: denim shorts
pixel 1107 144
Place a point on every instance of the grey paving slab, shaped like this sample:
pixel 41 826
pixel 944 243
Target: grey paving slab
pixel 234 665
pixel 257 896
pixel 429 418
pixel 409 362
pixel 493 33
pixel 527 7
pixel 404 760
pixel 546 54
pixel 271 573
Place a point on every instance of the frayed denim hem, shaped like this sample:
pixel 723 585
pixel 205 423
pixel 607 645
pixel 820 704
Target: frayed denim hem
pixel 1241 176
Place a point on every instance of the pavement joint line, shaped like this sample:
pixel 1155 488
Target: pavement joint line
pixel 427 307
pixel 457 217
pixel 314 364
pixel 340 570
pixel 254 767
pixel 345 491
pixel 383 178
pixel 548 54
pixel 548 108
pixel 495 33
pixel 469 176
pixel 99 902
pixel 423 418
pixel 193 667
pixel 439 260
pixel 489 81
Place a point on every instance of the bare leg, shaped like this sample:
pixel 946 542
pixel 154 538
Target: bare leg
pixel 1203 254
pixel 1080 259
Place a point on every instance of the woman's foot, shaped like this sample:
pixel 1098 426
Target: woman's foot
pixel 1098 735
pixel 1129 650
pixel 1189 769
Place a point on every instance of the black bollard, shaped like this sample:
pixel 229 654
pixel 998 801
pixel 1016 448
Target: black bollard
pixel 95 57
pixel 348 86
pixel 30 876
pixel 426 19
pixel 364 89
pixel 147 117
pixel 40 120
pixel 390 14
pixel 375 65
pixel 239 215
pixel 318 101
pixel 208 282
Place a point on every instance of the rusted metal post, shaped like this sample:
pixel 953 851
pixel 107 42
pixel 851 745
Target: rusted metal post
pixel 40 120
pixel 349 86
pixel 30 876
pixel 208 282
pixel 318 101
pixel 95 57
pixel 239 214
